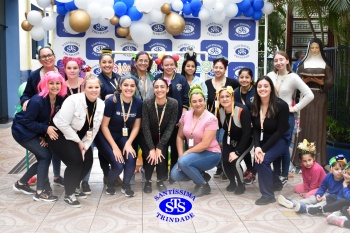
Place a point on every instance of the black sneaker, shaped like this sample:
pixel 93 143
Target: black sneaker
pixel 224 177
pixel 265 200
pixel 85 188
pixel 314 210
pixel 284 180
pixel 110 190
pixel 148 187
pixel 72 201
pixel 240 189
pixel 201 190
pixel 171 181
pixel 80 195
pixel 218 173
pixel 206 176
pixel 24 188
pixel 231 187
pixel 127 191
pixel 44 196
pixel 59 181
pixel 161 187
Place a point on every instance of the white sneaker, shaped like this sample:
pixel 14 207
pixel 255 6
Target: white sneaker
pixel 285 202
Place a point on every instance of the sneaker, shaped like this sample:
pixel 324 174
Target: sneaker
pixel 148 187
pixel 240 189
pixel 59 181
pixel 85 188
pixel 314 210
pixel 206 176
pixel 132 180
pixel 218 173
pixel 72 201
pixel 224 177
pixel 231 187
pixel 300 208
pixel 110 190
pixel 265 200
pixel 161 187
pixel 284 180
pixel 24 188
pixel 249 179
pixel 201 190
pixel 127 191
pixel 44 196
pixel 335 220
pixel 171 181
pixel 143 174
pixel 288 203
pixel 79 194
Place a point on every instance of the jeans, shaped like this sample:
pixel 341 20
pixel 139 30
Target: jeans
pixel 190 166
pixel 219 137
pixel 285 158
pixel 43 156
pixel 117 167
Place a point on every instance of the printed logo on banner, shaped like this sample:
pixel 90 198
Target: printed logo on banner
pixel 99 29
pixel 122 66
pixel 95 45
pixel 235 67
pixel 192 30
pixel 71 48
pixel 215 48
pixel 158 29
pixel 62 32
pixel 128 47
pixel 214 29
pixel 242 30
pixel 241 51
pixel 158 45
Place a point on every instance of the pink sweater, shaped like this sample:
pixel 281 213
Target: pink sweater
pixel 312 177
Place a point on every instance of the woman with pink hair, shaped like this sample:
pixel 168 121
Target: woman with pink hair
pixel 29 129
pixel 71 69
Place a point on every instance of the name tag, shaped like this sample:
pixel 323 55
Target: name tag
pixel 125 132
pixel 190 142
pixel 89 134
pixel 228 140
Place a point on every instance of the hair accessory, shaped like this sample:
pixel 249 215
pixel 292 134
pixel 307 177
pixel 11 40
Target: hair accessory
pixel 347 166
pixel 86 68
pixel 307 147
pixel 106 51
pixel 134 55
pixel 338 158
pixel 229 89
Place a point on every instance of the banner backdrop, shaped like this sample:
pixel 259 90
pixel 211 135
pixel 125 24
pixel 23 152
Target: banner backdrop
pixel 236 39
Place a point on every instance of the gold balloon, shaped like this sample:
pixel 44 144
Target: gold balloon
pixel 174 23
pixel 122 31
pixel 114 20
pixel 80 21
pixel 166 8
pixel 26 26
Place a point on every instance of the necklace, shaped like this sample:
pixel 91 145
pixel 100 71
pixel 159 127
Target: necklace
pixel 279 83
pixel 70 89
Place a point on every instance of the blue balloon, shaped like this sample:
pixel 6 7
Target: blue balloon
pixel 120 8
pixel 129 3
pixel 244 5
pixel 61 9
pixel 195 13
pixel 258 5
pixel 196 5
pixel 134 14
pixel 257 15
pixel 249 12
pixel 187 10
pixel 238 13
pixel 70 6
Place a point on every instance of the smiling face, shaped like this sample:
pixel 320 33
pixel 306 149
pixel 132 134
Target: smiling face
pixel 142 63
pixel 107 64
pixel 263 88
pixel 169 66
pixel 219 70
pixel 314 49
pixel 92 89
pixel 128 88
pixel 160 89
pixel 307 160
pixel 72 69
pixel 245 79
pixel 190 68
pixel 47 58
pixel 280 63
pixel 337 171
pixel 225 100
pixel 54 87
pixel 197 103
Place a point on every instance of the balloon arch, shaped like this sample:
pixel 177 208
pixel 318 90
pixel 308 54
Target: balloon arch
pixel 132 18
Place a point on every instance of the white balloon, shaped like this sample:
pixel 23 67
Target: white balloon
pixel 219 7
pixel 94 10
pixel 125 21
pixel 231 10
pixel 48 23
pixel 209 3
pixel 34 18
pixel 44 3
pixel 141 32
pixel 145 6
pixel 157 16
pixel 37 33
pixel 146 18
pixel 107 12
pixel 177 5
pixel 218 18
pixel 81 4
pixel 67 25
pixel 204 14
pixel 236 1
pixel 106 3
pixel 104 22
pixel 268 8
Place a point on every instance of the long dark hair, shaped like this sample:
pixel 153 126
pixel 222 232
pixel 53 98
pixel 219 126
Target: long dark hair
pixel 133 69
pixel 188 58
pixel 272 108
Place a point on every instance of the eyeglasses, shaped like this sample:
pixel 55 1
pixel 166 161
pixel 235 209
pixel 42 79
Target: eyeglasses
pixel 45 57
pixel 143 61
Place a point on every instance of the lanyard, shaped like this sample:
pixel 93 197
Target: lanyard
pixel 89 118
pixel 262 119
pixel 143 82
pixel 194 125
pixel 229 125
pixel 70 89
pixel 125 118
pixel 161 117
pixel 116 84
pixel 240 90
pixel 280 84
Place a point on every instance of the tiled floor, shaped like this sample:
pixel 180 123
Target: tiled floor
pixel 218 212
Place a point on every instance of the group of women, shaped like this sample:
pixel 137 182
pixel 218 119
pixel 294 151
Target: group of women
pixel 178 110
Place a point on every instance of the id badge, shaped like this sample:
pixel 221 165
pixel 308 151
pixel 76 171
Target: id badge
pixel 125 132
pixel 228 140
pixel 89 134
pixel 261 135
pixel 190 142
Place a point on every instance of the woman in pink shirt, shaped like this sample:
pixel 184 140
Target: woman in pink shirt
pixel 199 127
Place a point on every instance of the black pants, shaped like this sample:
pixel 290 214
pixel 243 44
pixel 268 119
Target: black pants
pixel 70 154
pixel 336 205
pixel 162 167
pixel 172 142
pixel 345 213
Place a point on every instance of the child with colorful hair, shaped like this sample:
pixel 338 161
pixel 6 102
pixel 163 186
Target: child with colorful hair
pixel 330 186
